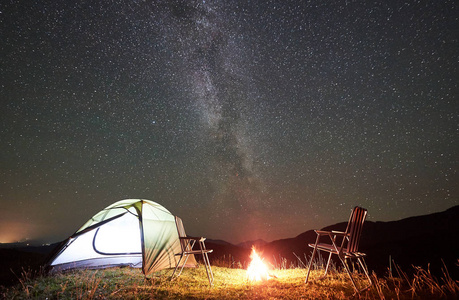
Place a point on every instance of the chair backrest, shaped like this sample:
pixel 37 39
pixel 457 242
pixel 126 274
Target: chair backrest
pixel 182 234
pixel 354 228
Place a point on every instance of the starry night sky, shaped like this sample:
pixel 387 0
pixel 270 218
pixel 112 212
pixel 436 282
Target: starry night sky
pixel 248 119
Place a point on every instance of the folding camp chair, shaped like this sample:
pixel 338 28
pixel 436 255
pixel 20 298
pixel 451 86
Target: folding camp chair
pixel 348 248
pixel 186 244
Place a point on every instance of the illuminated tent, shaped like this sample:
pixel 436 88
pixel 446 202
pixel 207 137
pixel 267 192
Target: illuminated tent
pixel 132 232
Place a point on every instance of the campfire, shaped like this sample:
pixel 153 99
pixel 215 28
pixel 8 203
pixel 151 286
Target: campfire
pixel 257 269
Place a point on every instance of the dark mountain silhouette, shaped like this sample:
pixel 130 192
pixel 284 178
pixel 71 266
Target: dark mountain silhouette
pixel 429 241
pixel 419 241
pixel 18 258
pixel 231 255
pixel 257 243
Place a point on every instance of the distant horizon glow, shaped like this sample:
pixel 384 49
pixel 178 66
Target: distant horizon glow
pixel 13 232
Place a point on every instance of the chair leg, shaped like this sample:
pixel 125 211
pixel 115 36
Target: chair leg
pixel 210 275
pixel 310 263
pixel 365 269
pixel 328 264
pixel 178 264
pixel 184 263
pixel 349 273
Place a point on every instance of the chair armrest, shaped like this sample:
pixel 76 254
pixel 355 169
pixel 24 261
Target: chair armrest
pixel 201 239
pixel 333 232
pixel 323 232
pixel 339 233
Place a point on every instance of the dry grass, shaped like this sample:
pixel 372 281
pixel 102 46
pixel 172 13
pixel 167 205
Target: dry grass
pixel 230 283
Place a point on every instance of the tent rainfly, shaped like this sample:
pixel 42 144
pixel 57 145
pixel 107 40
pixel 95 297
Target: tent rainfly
pixel 131 232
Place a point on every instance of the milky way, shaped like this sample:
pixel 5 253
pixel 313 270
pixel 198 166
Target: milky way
pixel 216 76
pixel 248 119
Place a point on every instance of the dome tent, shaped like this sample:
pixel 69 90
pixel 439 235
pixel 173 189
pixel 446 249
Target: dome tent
pixel 131 232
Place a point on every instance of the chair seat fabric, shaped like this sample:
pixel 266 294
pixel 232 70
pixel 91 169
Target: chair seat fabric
pixel 196 252
pixel 331 248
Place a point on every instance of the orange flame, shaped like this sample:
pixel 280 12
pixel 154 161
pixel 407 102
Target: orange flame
pixel 257 269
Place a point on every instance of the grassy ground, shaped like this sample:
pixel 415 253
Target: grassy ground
pixel 127 283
